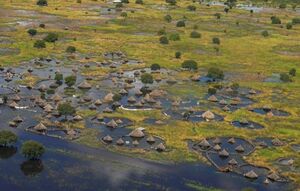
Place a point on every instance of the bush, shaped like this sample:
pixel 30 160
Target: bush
pixel 163 40
pixel 177 55
pixel 289 26
pixel 292 72
pixel 282 6
pixel 212 91
pixel 168 18
pixel 39 44
pixel 70 80
pixel 285 77
pixel 161 31
pixel 117 97
pixel 78 1
pixel 7 138
pixel 155 67
pixel 265 33
pixel 42 25
pixel 42 3
pixel 195 34
pixel 66 109
pixel 180 24
pixel 171 2
pixel 147 78
pixel 217 15
pixel 125 1
pixel 32 32
pixel 50 91
pixel 216 40
pixel 123 14
pixel 190 64
pixel 174 37
pixel 139 2
pixel 59 77
pixel 71 49
pixel 51 37
pixel 295 21
pixel 119 5
pixel 191 8
pixel 215 73
pixel 235 86
pixel 275 20
pixel 32 150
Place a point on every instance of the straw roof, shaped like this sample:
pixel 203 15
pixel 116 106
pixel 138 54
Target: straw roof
pixel 175 103
pixel 108 98
pixel 273 176
pixel 251 174
pixel 77 118
pixel 48 108
pixel 226 108
pixel 13 104
pixel 223 102
pixel 107 110
pixel 98 102
pixel 277 142
pixel 123 92
pixel 212 98
pixel 16 98
pixel 232 162
pixel 157 93
pixel 84 85
pixel 137 133
pixel 135 143
pixel 13 124
pixel 217 141
pixel 138 93
pixel 204 143
pixel 217 147
pixel 208 115
pixel 160 147
pixel 108 139
pixel 120 141
pixel 223 153
pixel 18 119
pixel 231 140
pixel 40 127
pixel 56 98
pixel 252 91
pixel 240 149
pixel 42 87
pixel 150 139
pixel 112 123
pixel 131 99
pixel 267 181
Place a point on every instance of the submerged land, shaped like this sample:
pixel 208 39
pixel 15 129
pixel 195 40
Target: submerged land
pixel 150 95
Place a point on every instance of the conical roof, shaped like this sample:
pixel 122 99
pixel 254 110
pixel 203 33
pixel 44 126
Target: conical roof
pixel 120 141
pixel 16 98
pixel 251 174
pixel 226 108
pixel 123 92
pixel 98 102
pixel 13 104
pixel 212 98
pixel 138 93
pixel 42 87
pixel 160 147
pixel 112 123
pixel 240 149
pixel 273 176
pixel 204 143
pixel 223 153
pixel 232 162
pixel 107 110
pixel 217 147
pixel 277 142
pixel 131 99
pixel 137 133
pixel 135 143
pixel 208 115
pixel 56 98
pixel 78 118
pixel 48 108
pixel 150 139
pixel 217 140
pixel 252 91
pixel 223 102
pixel 18 119
pixel 109 98
pixel 107 139
pixel 40 127
pixel 84 85
pixel 231 140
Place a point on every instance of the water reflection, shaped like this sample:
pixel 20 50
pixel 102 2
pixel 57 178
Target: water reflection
pixel 7 152
pixel 32 167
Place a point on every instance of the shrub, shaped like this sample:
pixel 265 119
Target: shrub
pixel 39 44
pixel 226 9
pixel 282 6
pixel 51 37
pixel 177 55
pixel 235 86
pixel 117 97
pixel 215 73
pixel 119 5
pixel 59 77
pixel 180 24
pixel 50 91
pixel 295 21
pixel 147 78
pixel 42 3
pixel 163 40
pixel 42 25
pixel 123 14
pixel 292 72
pixel 171 2
pixel 265 33
pixel 217 15
pixel 285 77
pixel 161 31
pixel 155 67
pixel 66 109
pixel 174 37
pixel 216 40
pixel 32 149
pixel 139 2
pixel 7 138
pixel 191 8
pixel 211 90
pixel 71 49
pixel 195 34
pixel 125 1
pixel 168 18
pixel 78 1
pixel 289 26
pixel 190 64
pixel 70 80
pixel 32 32
pixel 275 20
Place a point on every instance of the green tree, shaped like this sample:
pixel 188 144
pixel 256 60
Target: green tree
pixel 292 72
pixel 32 150
pixel 216 40
pixel 155 67
pixel 190 64
pixel 265 33
pixel 39 44
pixel 191 8
pixel 147 78
pixel 289 26
pixel 139 2
pixel 174 37
pixel 180 24
pixel 215 73
pixel 66 109
pixel 171 2
pixel 59 77
pixel 168 18
pixel 285 77
pixel 51 37
pixel 42 3
pixel 7 138
pixel 177 55
pixel 163 40
pixel 275 20
pixel 70 80
pixel 32 32
pixel 195 34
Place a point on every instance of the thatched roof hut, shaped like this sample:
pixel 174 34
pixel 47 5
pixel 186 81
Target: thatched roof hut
pixel 56 98
pixel 131 99
pixel 139 104
pixel 223 102
pixel 137 133
pixel 277 142
pixel 13 104
pixel 175 103
pixel 204 144
pixel 120 141
pixel 12 124
pixel 231 140
pixel 270 114
pixel 226 108
pixel 107 110
pixel 112 123
pixel 208 115
pixel 135 143
pixel 157 93
pixel 217 141
pixel 158 105
pixel 85 85
pixel 240 149
pixel 123 92
pixel 217 147
pixel 195 78
pixel 232 162
pixel 77 118
pixel 16 98
pixel 212 98
pixel 98 102
pixel 42 87
pixel 224 153
pixel 107 139
pixel 160 147
pixel 138 93
pixel 273 176
pixel 150 139
pixel 92 107
pixel 108 98
pixel 40 127
pixel 119 121
pixel 251 174
pixel 252 91
pixel 18 119
pixel 48 108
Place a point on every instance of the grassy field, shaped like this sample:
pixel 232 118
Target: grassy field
pixel 245 55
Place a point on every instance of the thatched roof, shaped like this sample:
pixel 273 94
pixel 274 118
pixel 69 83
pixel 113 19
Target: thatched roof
pixel 12 124
pixel 18 119
pixel 71 132
pixel 223 102
pixel 232 162
pixel 120 141
pixel 240 149
pixel 231 140
pixel 109 98
pixel 195 77
pixel 92 107
pixel 123 92
pixel 244 121
pixel 157 93
pixel 131 99
pixel 137 133
pixel 252 91
pixel 273 176
pixel 108 139
pixel 158 105
pixel 151 139
pixel 138 93
pixel 16 98
pixel 98 102
pixel 217 140
pixel 270 114
pixel 135 143
pixel 56 98
pixel 175 103
pixel 212 98
pixel 77 118
pixel 208 115
pixel 139 104
pixel 42 87
pixel 204 143
pixel 223 153
pixel 160 147
pixel 40 127
pixel 84 85
pixel 226 108
pixel 149 99
pixel 266 181
pixel 13 104
pixel 277 142
pixel 48 108
pixel 217 147
pixel 251 174
pixel 112 123
pixel 107 110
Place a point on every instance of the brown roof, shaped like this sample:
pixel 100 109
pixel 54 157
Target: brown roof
pixel 108 97
pixel 107 138
pixel 212 98
pixel 150 139
pixel 84 85
pixel 217 147
pixel 40 127
pixel 240 148
pixel 232 162
pixel 137 133
pixel 120 141
pixel 251 174
pixel 112 123
pixel 160 147
pixel 208 115
pixel 231 140
pixel 223 153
